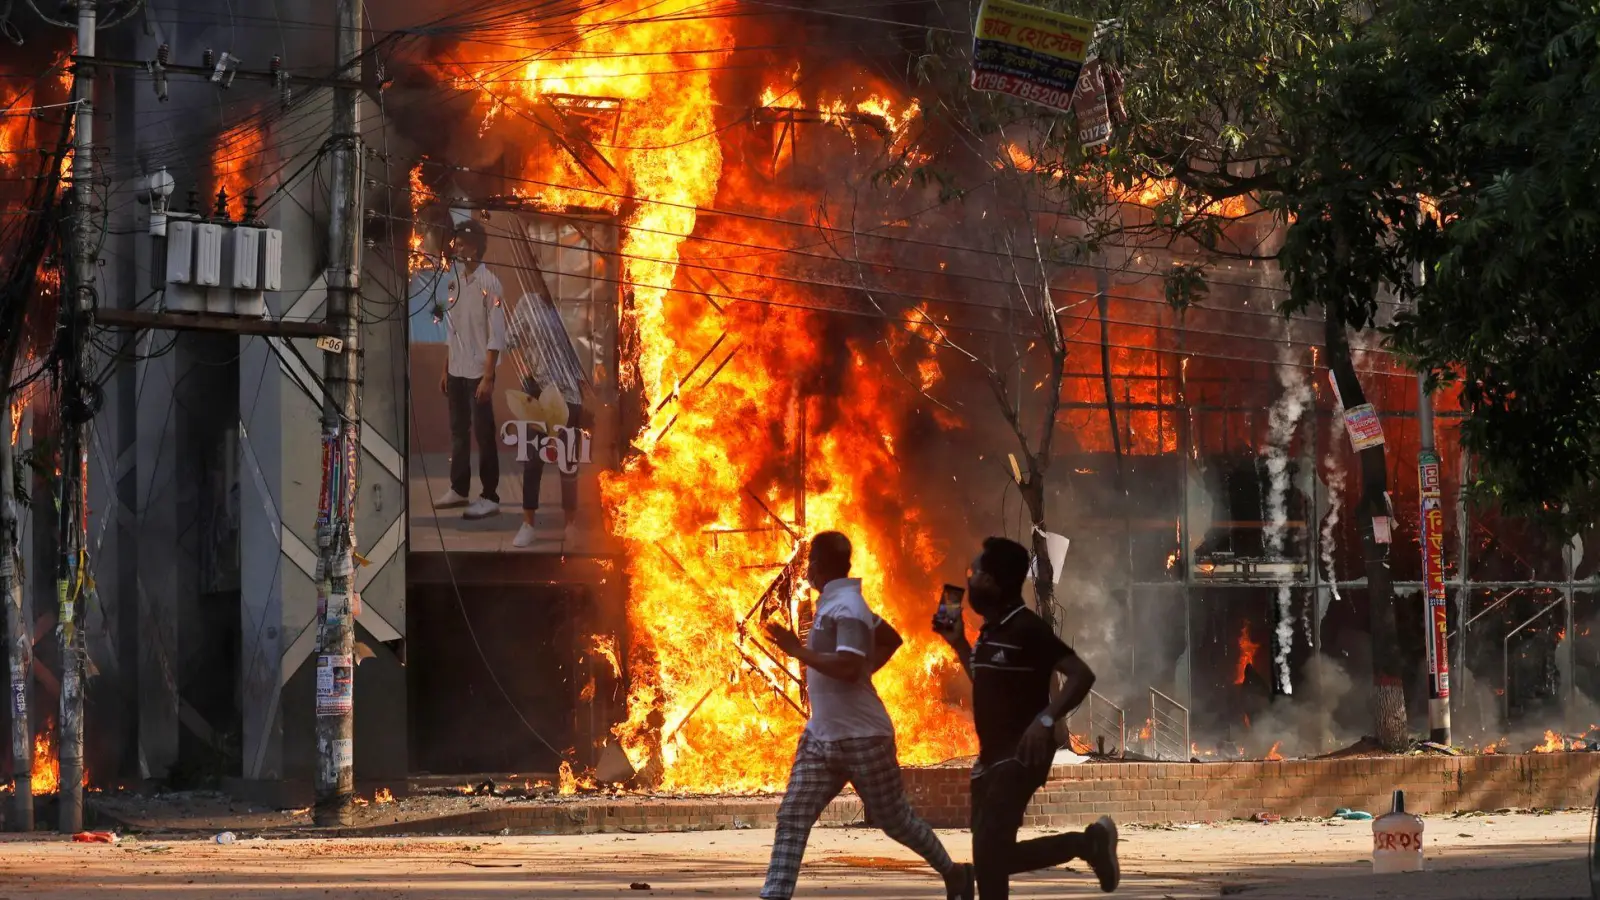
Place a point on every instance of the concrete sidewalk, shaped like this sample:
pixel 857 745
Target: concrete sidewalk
pixel 1495 857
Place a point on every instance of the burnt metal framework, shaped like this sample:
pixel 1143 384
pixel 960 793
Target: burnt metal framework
pixel 1304 574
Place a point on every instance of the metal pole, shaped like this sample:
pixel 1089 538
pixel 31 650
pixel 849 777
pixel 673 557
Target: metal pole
pixel 21 652
pixel 77 306
pixel 1464 593
pixel 341 412
pixel 1430 522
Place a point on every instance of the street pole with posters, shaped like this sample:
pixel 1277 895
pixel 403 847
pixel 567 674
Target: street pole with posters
pixel 341 440
pixel 1431 521
pixel 1430 528
pixel 1431 524
pixel 77 306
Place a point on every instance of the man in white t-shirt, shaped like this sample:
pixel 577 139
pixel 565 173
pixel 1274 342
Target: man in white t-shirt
pixel 476 335
pixel 849 738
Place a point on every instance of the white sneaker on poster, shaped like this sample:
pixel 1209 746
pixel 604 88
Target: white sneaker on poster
pixel 526 535
pixel 450 500
pixel 481 508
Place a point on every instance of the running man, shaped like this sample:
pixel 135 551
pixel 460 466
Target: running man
pixel 849 737
pixel 1011 668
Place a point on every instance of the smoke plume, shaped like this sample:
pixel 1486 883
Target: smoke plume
pixel 1282 423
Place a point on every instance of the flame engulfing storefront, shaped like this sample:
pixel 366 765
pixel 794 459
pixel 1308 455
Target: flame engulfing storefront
pixel 761 311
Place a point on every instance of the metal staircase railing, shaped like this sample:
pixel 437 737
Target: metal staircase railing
pixel 1169 728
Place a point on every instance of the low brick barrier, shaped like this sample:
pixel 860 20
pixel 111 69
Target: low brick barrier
pixel 1152 793
pixel 604 816
pixel 1208 792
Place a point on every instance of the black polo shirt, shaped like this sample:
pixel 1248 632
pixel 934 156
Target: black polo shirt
pixel 1012 665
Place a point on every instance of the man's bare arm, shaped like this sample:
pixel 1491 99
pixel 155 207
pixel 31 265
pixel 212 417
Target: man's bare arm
pixel 845 666
pixel 885 642
pixel 1079 681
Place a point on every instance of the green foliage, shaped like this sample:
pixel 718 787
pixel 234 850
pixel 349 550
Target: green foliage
pixel 1490 110
pixel 1441 152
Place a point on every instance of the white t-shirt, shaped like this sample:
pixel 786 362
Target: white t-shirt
pixel 844 709
pixel 476 319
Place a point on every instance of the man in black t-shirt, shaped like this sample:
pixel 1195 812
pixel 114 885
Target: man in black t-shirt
pixel 1012 668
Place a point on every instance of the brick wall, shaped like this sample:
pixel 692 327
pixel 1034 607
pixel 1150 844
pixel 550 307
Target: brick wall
pixel 1208 792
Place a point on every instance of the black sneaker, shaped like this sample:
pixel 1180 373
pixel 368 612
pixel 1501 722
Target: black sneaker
pixel 961 883
pixel 1103 853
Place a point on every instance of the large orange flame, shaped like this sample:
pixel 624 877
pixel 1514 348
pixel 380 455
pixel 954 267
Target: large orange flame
pixel 708 506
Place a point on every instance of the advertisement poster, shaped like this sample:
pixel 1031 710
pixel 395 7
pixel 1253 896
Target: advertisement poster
pixel 1363 426
pixel 1091 105
pixel 513 349
pixel 1432 541
pixel 335 685
pixel 1030 53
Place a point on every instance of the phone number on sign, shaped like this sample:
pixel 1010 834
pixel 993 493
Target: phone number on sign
pixel 1027 90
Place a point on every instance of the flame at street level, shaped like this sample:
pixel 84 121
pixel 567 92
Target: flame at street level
pixel 1248 649
pixel 1555 743
pixel 46 768
pixel 1273 754
pixel 46 764
pixel 701 549
pixel 570 783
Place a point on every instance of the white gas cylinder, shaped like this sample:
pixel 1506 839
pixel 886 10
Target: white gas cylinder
pixel 1397 840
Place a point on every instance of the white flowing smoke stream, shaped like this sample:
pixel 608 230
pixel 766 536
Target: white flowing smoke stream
pixel 1282 422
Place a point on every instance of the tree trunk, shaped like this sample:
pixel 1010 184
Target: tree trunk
pixel 1388 702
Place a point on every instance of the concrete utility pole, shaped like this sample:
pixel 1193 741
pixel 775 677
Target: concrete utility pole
pixel 21 647
pixel 76 309
pixel 341 436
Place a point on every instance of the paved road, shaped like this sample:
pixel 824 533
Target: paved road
pixel 1497 857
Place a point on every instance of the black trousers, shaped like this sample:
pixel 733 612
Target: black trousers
pixel 1000 797
pixel 533 469
pixel 469 421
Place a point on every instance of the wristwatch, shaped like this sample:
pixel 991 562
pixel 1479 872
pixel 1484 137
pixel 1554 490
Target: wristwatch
pixel 1046 721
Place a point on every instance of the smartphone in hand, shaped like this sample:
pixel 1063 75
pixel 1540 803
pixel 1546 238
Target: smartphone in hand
pixel 948 616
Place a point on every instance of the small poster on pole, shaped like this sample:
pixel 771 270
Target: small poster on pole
pixel 335 684
pixel 1361 422
pixel 1097 102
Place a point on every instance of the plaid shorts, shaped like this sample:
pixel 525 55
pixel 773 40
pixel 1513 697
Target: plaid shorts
pixel 821 770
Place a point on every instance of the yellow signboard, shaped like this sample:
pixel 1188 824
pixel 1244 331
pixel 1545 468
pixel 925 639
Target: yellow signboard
pixel 1028 52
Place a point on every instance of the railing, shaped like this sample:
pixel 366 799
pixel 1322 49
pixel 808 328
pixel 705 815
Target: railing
pixel 1505 656
pixel 1169 728
pixel 1106 722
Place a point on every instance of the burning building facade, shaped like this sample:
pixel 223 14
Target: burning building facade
pixel 751 292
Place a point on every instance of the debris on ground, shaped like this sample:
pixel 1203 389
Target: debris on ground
pixel 640 886
pixel 95 837
pixel 1352 815
pixel 1266 818
pixel 1367 746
